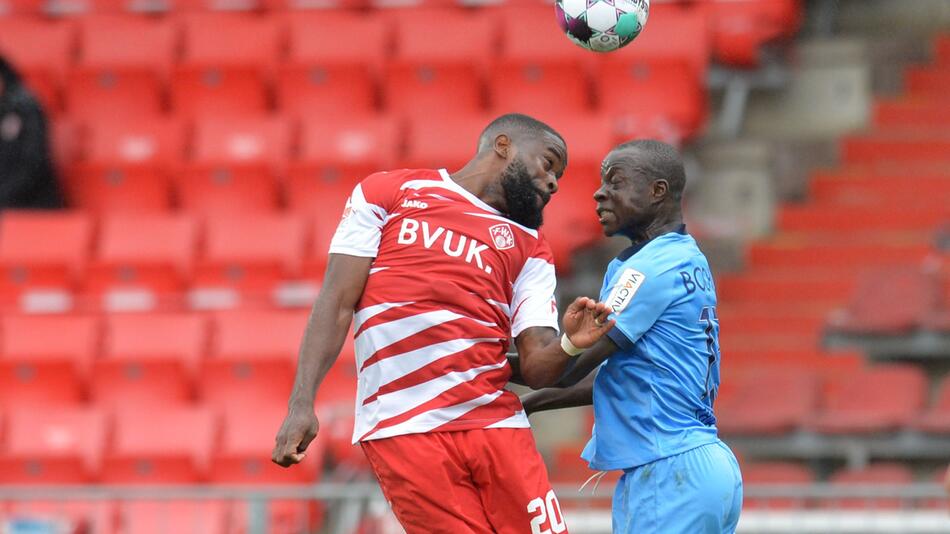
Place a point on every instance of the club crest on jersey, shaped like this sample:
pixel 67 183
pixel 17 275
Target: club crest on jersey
pixel 502 236
pixel 348 210
pixel 624 290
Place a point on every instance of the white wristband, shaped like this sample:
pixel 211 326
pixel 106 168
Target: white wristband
pixel 569 347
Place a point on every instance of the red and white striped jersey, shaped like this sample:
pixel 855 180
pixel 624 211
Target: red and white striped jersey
pixel 452 282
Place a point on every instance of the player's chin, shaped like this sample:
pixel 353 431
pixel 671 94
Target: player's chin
pixel 609 229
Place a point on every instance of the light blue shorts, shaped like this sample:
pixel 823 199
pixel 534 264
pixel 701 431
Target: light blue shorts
pixel 696 492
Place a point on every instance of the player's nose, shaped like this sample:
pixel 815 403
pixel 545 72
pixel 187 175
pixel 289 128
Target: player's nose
pixel 600 195
pixel 550 183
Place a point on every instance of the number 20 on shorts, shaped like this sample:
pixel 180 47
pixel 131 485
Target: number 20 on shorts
pixel 546 509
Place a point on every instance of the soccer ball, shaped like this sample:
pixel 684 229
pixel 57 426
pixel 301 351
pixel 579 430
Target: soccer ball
pixel 602 25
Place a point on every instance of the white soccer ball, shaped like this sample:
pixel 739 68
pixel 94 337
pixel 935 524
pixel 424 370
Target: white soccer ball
pixel 602 25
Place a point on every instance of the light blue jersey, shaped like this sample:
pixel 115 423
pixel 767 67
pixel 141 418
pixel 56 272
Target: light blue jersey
pixel 653 398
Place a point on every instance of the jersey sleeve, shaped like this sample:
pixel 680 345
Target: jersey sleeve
pixel 361 225
pixel 637 300
pixel 533 302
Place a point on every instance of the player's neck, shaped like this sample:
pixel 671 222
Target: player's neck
pixel 659 226
pixel 476 178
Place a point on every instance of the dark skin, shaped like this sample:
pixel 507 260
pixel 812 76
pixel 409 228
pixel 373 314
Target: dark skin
pixel 543 361
pixel 633 205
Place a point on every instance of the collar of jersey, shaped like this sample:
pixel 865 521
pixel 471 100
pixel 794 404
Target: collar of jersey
pixel 633 249
pixel 447 178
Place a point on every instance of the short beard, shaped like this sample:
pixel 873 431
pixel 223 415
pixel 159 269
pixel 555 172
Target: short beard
pixel 521 196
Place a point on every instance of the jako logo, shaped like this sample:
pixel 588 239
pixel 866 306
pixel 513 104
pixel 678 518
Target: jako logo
pixel 502 236
pixel 452 244
pixel 626 287
pixel 414 204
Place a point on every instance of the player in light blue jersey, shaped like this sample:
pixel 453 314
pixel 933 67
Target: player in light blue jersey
pixel 657 370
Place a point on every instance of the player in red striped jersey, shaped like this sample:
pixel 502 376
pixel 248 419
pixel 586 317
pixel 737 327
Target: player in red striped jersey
pixel 438 272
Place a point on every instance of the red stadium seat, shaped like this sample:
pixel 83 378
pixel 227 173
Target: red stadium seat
pixel 767 401
pixel 180 517
pixel 911 113
pixel 324 76
pixel 334 159
pixel 230 45
pixel 41 51
pixel 741 27
pixel 62 446
pixel 896 307
pixel 326 91
pixel 538 89
pixel 936 420
pixel 235 165
pixel 127 166
pixel 224 72
pixel 170 446
pixel 42 255
pixel 149 360
pixel 121 68
pixel 65 140
pixel 251 254
pixel 134 277
pixel 569 219
pixel 45 359
pixel 567 227
pixel 92 94
pixel 332 44
pixel 20 7
pixel 429 90
pixel 926 80
pixel 433 70
pixel 216 92
pixel 253 357
pixel 883 473
pixel 762 473
pixel 443 142
pixel 904 146
pixel 666 73
pixel 941 47
pixel 326 216
pixel 880 399
pixel 539 72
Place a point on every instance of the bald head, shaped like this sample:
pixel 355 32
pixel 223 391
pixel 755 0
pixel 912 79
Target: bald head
pixel 517 127
pixel 652 160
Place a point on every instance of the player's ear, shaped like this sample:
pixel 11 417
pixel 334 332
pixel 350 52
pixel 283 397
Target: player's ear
pixel 503 146
pixel 661 188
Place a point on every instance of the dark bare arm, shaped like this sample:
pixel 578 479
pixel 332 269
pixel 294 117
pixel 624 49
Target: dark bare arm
pixel 576 369
pixel 542 361
pixel 323 338
pixel 580 394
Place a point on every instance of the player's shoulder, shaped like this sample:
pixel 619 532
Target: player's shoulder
pixel 397 179
pixel 662 257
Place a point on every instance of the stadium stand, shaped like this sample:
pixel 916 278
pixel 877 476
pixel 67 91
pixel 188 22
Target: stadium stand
pixel 208 171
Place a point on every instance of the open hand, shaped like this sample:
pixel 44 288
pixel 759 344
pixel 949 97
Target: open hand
pixel 585 321
pixel 293 438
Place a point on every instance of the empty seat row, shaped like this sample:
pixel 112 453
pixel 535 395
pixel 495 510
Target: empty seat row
pixel 738 27
pixel 790 473
pixel 168 446
pixel 897 301
pixel 778 401
pixel 430 72
pixel 235 361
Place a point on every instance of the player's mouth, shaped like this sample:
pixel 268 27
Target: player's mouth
pixel 543 198
pixel 604 215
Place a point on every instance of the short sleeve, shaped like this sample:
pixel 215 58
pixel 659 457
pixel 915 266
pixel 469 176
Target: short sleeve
pixel 637 300
pixel 533 301
pixel 361 225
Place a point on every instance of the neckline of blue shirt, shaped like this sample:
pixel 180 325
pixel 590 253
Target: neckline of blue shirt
pixel 637 247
